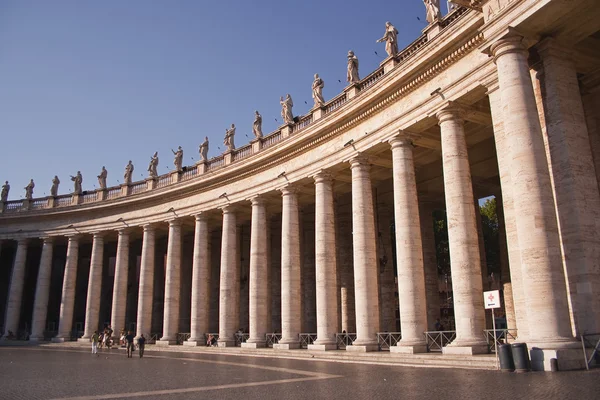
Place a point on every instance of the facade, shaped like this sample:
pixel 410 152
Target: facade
pixel 291 234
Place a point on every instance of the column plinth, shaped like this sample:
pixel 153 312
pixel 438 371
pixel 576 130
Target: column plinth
pixel 200 283
pixel 67 302
pixel 42 291
pixel 92 308
pixel 172 285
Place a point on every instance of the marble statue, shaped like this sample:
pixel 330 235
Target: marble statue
pixel 433 10
pixel 286 109
pixel 229 137
pixel 257 125
pixel 317 91
pixel 152 167
pixel 4 193
pixel 102 178
pixel 204 150
pixel 29 190
pixel 178 161
pixel 77 181
pixel 54 188
pixel 391 39
pixel 128 173
pixel 352 75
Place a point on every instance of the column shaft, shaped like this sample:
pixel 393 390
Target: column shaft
pixel 92 308
pixel 325 264
pixel 200 283
pixel 432 289
pixel 366 290
pixel 462 237
pixel 172 285
pixel 15 291
pixel 67 302
pixel 229 280
pixel 146 283
pixel 119 298
pixel 409 251
pixel 258 308
pixel 42 291
pixel 290 271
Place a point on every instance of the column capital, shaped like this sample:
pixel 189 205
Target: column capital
pixel 401 140
pixel 200 216
pixel 549 47
pixel 359 160
pixel 123 231
pixel 257 200
pixel 452 112
pixel 22 241
pixel 288 190
pixel 175 222
pixel 149 228
pixel 73 237
pixel 98 235
pixel 228 209
pixel 322 176
pixel 47 239
pixel 507 45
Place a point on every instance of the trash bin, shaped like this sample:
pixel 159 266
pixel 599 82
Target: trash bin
pixel 521 357
pixel 507 363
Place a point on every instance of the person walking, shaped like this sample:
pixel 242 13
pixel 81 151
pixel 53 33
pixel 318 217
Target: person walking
pixel 129 340
pixel 94 339
pixel 141 344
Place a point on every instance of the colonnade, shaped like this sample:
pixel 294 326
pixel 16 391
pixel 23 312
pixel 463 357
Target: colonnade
pixel 541 308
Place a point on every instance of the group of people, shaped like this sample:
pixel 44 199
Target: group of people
pixel 126 339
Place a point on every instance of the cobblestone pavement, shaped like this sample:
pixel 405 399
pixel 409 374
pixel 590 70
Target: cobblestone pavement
pixel 35 373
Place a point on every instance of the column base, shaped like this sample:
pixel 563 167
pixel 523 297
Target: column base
pixel 322 347
pixel 84 340
pixel 409 349
pixel 226 343
pixel 60 340
pixel 166 342
pixel 362 348
pixel 254 345
pixel 287 346
pixel 468 350
pixel 36 339
pixel 194 343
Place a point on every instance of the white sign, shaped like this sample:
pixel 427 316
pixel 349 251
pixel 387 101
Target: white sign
pixel 491 299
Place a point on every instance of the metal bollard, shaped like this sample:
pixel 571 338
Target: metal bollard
pixel 507 363
pixel 521 357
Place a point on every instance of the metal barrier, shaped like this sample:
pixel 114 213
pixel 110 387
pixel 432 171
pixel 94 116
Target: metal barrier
pixel 182 337
pixel 272 338
pixel 591 341
pixel 241 338
pixel 501 336
pixel 344 339
pixel 385 340
pixel 306 339
pixel 436 340
pixel 153 338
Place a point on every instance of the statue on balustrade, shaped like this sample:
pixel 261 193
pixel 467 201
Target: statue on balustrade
pixel 54 188
pixel 4 193
pixel 433 10
pixel 391 39
pixel 29 190
pixel 204 150
pixel 128 173
pixel 178 161
pixel 317 91
pixel 286 109
pixel 229 136
pixel 152 168
pixel 352 75
pixel 102 178
pixel 77 181
pixel 257 125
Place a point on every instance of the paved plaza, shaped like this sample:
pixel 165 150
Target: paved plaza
pixel 36 373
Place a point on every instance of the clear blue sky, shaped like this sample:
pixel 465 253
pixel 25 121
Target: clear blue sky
pixel 90 83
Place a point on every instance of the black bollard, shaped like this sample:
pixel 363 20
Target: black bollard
pixel 521 357
pixel 506 358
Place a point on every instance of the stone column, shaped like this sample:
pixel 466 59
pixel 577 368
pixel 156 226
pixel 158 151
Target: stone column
pixel 229 281
pixel 291 320
pixel 172 285
pixel 67 302
pixel 512 240
pixel 92 307
pixel 119 298
pixel 325 264
pixel 15 291
pixel 576 188
pixel 432 289
pixel 463 240
pixel 146 283
pixel 409 250
pixel 258 307
pixel 364 240
pixel 200 283
pixel 42 291
pixel 539 245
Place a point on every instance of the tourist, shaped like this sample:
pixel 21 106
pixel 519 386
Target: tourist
pixel 94 340
pixel 438 325
pixel 141 344
pixel 129 339
pixel 108 332
pixel 100 340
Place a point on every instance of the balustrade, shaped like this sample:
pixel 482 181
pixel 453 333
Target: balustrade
pixel 38 204
pixel 243 152
pixel 89 197
pixel 271 139
pixel 138 187
pixel 371 79
pixel 64 200
pixel 215 162
pixel 189 173
pixel 113 192
pixel 163 180
pixel 303 122
pixel 335 103
pixel 13 205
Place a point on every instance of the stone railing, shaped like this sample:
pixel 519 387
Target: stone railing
pixel 246 151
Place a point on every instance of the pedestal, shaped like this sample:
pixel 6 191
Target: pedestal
pixel 318 113
pixel 408 349
pixel 433 29
pixel 465 350
pixel 388 64
pixel 286 346
pixel 352 90
pixel 102 194
pixel 226 343
pixel 257 345
pixel 76 199
pixel 286 130
pixel 228 157
pixel 256 145
pixel 194 343
pixel 362 348
pixel 125 190
pixel 150 183
pixel 175 176
pixel 163 343
pixel 202 167
pixel 322 347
